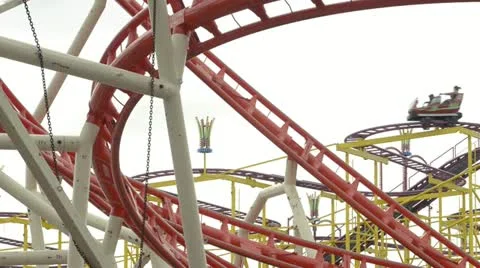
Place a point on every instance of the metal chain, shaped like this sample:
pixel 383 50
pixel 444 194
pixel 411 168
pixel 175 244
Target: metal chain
pixel 44 84
pixel 149 141
pixel 47 106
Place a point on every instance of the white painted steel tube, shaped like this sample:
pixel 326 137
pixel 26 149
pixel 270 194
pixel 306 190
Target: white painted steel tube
pixel 181 159
pixel 75 49
pixel 101 224
pixel 299 217
pixel 38 243
pixel 112 76
pixel 37 257
pixel 259 203
pixel 81 185
pixel 112 233
pixel 62 143
pixel 36 203
pixel 180 43
pixel 50 185
pixel 54 87
pixel 7 5
pixel 31 200
pixel 163 39
pixel 184 177
pixel 255 209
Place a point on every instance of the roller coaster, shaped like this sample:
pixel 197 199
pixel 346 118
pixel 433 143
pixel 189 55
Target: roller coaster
pixel 431 222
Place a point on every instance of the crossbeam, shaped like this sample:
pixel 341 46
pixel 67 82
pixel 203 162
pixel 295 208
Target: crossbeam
pixel 105 74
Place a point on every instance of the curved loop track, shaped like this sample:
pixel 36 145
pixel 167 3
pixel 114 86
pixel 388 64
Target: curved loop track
pixel 203 14
pixel 365 133
pixel 164 225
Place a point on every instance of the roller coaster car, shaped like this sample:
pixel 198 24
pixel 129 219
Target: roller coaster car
pixel 436 112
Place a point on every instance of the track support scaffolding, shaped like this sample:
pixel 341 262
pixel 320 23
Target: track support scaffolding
pixel 301 226
pixel 49 184
pixel 81 185
pixel 171 55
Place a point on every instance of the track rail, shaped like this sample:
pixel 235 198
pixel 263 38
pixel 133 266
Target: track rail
pixel 454 167
pixel 365 133
pixel 204 13
pixel 164 220
pixel 273 178
pixel 451 168
pixel 228 212
pixel 217 237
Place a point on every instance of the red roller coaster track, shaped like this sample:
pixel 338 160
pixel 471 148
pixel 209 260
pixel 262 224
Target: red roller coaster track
pixel 164 227
pixel 165 223
pixel 203 15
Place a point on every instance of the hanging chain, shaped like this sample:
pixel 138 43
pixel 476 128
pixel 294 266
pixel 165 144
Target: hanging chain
pixel 47 106
pixel 149 139
pixel 44 84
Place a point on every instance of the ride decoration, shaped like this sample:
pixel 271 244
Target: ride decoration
pixel 205 130
pixel 313 201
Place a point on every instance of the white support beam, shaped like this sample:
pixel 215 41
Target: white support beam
pixel 180 43
pixel 100 223
pixel 60 62
pixel 81 185
pixel 162 39
pixel 49 184
pixel 32 200
pixel 53 89
pixel 7 5
pixel 36 203
pixel 112 233
pixel 38 242
pixel 177 134
pixel 62 143
pixel 37 257
pixel 299 218
pixel 255 210
pixel 185 184
pixel 75 49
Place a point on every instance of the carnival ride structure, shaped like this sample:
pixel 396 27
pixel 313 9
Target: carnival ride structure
pixel 367 224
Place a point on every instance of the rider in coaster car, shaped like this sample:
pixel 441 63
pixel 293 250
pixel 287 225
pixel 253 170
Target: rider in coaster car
pixel 453 94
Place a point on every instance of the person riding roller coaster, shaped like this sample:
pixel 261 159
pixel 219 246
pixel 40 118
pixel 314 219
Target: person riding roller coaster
pixel 453 95
pixel 438 111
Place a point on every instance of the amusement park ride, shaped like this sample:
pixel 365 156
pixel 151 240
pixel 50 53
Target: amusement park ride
pixel 437 110
pixel 354 221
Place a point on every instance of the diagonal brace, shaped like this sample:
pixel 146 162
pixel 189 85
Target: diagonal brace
pixel 50 185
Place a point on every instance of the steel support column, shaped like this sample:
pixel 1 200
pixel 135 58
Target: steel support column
pixel 81 185
pixel 299 217
pixel 171 54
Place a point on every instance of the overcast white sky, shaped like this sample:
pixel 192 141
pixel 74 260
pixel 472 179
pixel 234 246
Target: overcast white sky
pixel 333 75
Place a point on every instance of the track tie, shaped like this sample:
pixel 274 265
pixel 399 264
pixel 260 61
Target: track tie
pixel 260 11
pixel 307 149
